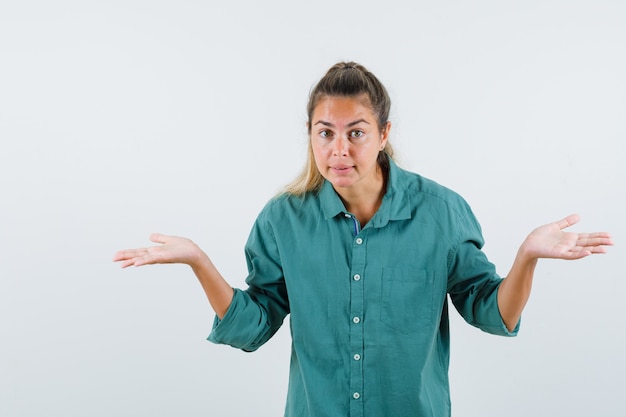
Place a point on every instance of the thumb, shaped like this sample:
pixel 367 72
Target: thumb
pixel 158 238
pixel 570 220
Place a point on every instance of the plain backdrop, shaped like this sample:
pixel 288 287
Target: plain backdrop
pixel 123 118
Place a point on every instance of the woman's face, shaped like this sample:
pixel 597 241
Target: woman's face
pixel 346 140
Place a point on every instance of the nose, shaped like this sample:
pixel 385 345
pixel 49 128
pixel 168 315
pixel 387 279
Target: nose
pixel 340 146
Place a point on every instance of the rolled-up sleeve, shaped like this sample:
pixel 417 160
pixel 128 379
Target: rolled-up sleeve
pixel 255 314
pixel 472 280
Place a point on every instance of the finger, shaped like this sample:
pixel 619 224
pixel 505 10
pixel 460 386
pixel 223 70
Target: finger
pixel 598 249
pixel 130 255
pixel 158 238
pixel 127 263
pixel 141 261
pixel 595 234
pixel 148 259
pixel 594 241
pixel 598 235
pixel 127 254
pixel 570 220
pixel 581 254
pixel 577 253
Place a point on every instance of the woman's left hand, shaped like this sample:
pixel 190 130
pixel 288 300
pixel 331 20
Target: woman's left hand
pixel 550 241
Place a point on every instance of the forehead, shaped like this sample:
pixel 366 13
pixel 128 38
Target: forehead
pixel 341 107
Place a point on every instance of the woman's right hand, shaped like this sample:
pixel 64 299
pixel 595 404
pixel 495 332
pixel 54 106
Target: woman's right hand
pixel 179 250
pixel 173 249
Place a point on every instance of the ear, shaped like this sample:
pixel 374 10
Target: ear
pixel 384 134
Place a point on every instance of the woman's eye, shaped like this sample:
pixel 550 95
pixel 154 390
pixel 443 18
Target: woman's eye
pixel 325 134
pixel 356 133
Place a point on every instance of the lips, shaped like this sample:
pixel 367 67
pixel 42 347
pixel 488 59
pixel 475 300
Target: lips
pixel 341 168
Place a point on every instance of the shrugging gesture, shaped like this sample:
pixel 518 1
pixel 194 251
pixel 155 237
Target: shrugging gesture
pixel 299 253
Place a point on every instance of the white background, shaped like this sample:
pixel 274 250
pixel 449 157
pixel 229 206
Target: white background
pixel 119 119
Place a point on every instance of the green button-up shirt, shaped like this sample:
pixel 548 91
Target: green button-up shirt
pixel 369 316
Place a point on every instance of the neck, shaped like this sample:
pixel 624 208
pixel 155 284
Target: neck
pixel 363 203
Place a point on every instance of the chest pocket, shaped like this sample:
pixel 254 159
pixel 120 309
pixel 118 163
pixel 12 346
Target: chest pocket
pixel 407 298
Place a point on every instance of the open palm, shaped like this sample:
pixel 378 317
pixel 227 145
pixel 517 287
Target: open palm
pixel 550 241
pixel 173 249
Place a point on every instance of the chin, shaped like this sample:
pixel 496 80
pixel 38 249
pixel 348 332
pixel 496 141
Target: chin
pixel 342 183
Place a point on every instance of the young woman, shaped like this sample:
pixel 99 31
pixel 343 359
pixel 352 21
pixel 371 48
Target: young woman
pixel 363 255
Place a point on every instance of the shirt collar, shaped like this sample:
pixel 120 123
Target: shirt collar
pixel 395 206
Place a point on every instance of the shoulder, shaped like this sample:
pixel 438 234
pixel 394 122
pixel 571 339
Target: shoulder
pixel 419 186
pixel 286 218
pixel 431 200
pixel 286 206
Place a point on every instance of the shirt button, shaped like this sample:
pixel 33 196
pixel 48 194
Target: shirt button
pixel 359 240
pixel 357 357
pixel 356 320
pixel 356 395
pixel 357 277
pixel 347 216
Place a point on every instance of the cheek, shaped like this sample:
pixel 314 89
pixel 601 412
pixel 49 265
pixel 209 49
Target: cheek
pixel 318 152
pixel 317 158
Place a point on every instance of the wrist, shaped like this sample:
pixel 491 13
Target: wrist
pixel 525 256
pixel 193 254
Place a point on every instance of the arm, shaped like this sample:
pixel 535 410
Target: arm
pixel 180 250
pixel 548 241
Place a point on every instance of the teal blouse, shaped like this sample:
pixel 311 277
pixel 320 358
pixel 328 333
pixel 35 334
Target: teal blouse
pixel 369 307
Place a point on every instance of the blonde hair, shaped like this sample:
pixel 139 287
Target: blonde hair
pixel 344 79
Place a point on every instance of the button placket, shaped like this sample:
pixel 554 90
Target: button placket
pixel 357 316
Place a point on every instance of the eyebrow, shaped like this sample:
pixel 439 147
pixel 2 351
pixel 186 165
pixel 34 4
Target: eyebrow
pixel 356 122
